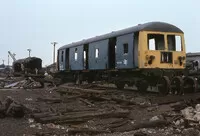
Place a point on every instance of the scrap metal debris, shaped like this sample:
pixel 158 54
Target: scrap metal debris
pixel 11 108
pixel 90 110
pixel 26 83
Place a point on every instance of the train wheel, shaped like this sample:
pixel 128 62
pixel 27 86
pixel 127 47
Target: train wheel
pixel 120 85
pixel 190 85
pixel 164 85
pixel 177 85
pixel 142 86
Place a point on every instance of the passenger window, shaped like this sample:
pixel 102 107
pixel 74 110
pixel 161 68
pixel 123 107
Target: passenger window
pixel 76 54
pixel 174 43
pixel 84 55
pixel 97 53
pixel 156 42
pixel 125 48
pixel 62 56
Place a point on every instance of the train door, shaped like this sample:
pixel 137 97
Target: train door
pixel 76 58
pixel 67 59
pixel 124 52
pixel 58 60
pixel 62 60
pixel 85 56
pixel 111 53
pixel 98 55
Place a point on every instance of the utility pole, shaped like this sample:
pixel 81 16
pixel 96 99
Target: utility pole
pixel 29 52
pixel 54 44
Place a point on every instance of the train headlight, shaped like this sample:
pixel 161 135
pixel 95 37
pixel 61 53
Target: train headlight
pixel 151 58
pixel 181 58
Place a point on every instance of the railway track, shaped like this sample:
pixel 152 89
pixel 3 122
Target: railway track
pixel 130 93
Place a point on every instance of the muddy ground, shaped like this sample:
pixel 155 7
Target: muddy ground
pixel 94 110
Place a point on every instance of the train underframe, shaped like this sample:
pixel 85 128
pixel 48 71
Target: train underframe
pixel 164 81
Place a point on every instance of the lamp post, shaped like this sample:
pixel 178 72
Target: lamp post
pixel 29 52
pixel 54 44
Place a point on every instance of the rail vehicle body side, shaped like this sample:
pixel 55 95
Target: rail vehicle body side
pixel 142 55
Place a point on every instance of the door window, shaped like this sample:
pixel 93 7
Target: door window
pixel 97 53
pixel 125 48
pixel 76 54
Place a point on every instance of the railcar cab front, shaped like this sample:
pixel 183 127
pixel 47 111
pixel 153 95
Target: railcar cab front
pixel 164 50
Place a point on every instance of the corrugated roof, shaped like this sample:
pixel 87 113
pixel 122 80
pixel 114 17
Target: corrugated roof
pixel 151 26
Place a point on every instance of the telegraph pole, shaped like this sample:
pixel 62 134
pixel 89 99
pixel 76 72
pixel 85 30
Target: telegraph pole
pixel 3 61
pixel 29 52
pixel 54 44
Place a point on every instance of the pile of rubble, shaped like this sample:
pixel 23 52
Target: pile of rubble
pixel 93 110
pixel 191 113
pixel 11 108
pixel 15 83
pixel 190 117
pixel 104 111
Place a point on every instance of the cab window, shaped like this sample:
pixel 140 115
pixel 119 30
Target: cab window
pixel 174 43
pixel 156 42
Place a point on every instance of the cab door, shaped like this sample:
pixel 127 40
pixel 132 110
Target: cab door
pixel 124 52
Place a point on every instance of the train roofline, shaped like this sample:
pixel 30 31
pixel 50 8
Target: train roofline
pixel 150 26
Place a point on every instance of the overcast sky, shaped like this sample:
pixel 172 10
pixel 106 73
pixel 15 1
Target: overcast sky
pixel 36 23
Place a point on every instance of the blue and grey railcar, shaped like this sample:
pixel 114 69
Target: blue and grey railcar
pixel 149 54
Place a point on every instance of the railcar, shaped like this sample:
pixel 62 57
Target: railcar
pixel 192 72
pixel 147 55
